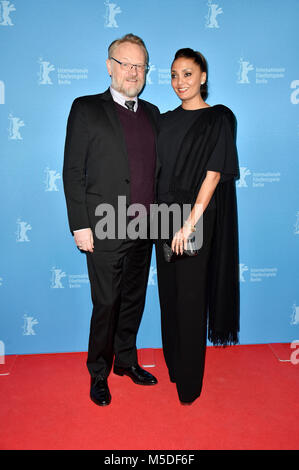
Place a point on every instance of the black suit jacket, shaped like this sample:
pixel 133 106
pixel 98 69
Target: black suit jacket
pixel 96 166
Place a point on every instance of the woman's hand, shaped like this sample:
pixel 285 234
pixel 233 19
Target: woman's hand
pixel 180 239
pixel 179 242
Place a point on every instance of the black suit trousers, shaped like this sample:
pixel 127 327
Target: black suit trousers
pixel 118 281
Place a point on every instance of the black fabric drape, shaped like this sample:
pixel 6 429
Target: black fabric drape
pixel 210 145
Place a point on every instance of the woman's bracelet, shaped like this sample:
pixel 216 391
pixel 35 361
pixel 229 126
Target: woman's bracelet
pixel 190 226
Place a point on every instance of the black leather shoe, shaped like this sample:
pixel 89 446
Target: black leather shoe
pixel 138 375
pixel 99 391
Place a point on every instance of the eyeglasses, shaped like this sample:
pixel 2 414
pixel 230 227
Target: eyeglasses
pixel 126 66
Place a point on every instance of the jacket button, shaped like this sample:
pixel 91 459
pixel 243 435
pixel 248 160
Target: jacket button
pixel 127 180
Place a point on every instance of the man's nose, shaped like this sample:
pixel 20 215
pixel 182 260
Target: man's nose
pixel 133 70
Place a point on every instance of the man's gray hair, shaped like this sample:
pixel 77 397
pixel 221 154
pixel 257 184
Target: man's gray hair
pixel 128 38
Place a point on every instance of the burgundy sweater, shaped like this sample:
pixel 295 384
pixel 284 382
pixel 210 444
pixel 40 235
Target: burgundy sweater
pixel 141 148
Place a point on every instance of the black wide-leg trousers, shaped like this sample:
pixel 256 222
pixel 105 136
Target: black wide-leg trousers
pixel 118 281
pixel 182 289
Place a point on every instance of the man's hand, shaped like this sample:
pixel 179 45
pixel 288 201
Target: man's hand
pixel 84 239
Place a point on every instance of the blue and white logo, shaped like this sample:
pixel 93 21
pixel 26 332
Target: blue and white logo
pixel 295 93
pixel 112 9
pixel 51 177
pixel 151 279
pixel 5 9
pixel 151 69
pixel 15 124
pixel 244 68
pixel 242 269
pixel 22 229
pixel 29 323
pixel 45 68
pixel 295 315
pixel 57 275
pixel 244 171
pixel 2 92
pixel 213 12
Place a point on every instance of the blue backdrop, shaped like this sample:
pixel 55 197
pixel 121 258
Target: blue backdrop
pixel 52 52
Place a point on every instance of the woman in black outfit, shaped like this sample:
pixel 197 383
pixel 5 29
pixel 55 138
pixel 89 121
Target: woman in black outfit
pixel 199 166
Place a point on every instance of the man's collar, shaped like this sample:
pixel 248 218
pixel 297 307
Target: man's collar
pixel 120 98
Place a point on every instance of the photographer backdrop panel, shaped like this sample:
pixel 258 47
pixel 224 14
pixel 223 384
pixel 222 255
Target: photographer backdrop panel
pixel 52 52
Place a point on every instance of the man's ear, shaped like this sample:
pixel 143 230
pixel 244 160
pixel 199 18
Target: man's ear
pixel 108 63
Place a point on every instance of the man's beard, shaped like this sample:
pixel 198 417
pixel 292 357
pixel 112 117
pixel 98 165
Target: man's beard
pixel 130 91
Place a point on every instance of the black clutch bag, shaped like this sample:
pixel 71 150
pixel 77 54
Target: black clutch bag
pixel 171 256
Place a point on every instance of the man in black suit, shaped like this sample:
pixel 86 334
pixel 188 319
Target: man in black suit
pixel 110 152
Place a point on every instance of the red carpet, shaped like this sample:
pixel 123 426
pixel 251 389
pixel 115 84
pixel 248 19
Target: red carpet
pixel 249 401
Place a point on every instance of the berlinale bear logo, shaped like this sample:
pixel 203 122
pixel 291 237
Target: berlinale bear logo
pixel 5 9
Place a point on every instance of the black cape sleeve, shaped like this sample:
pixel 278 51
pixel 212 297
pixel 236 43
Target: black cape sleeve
pixel 210 145
pixel 223 157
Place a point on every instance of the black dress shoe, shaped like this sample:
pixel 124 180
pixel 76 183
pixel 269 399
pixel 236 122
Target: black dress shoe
pixel 138 375
pixel 99 391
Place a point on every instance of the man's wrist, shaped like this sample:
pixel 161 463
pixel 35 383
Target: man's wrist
pixel 80 229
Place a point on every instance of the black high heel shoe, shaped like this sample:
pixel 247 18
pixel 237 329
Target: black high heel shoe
pixel 186 403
